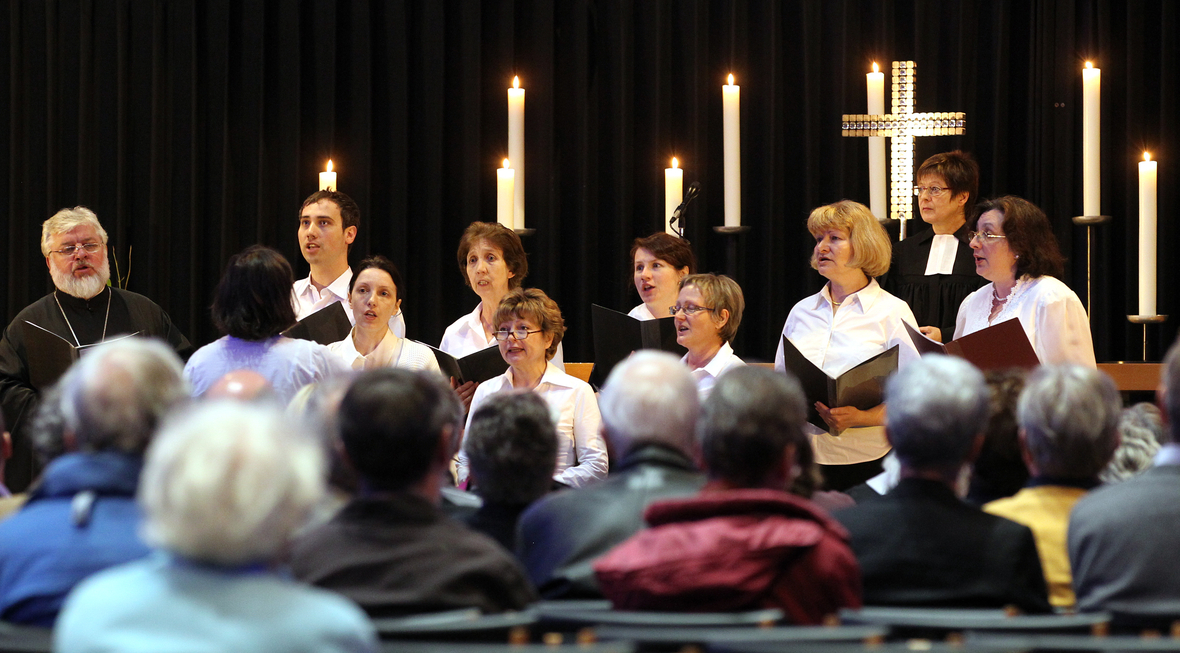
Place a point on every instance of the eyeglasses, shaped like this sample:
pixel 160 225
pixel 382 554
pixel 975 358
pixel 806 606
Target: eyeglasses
pixel 688 310
pixel 935 191
pixel 984 237
pixel 69 250
pixel 519 334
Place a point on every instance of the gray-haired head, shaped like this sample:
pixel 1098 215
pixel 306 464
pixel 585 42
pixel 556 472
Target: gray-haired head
pixel 1169 394
pixel 936 406
pixel 116 395
pixel 511 446
pixel 67 219
pixel 228 482
pixel 1140 430
pixel 649 398
pixel 749 419
pixel 1069 416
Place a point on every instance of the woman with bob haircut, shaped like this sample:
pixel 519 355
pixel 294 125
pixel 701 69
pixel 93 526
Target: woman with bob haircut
pixel 224 487
pixel 375 295
pixel 708 312
pixel 1016 251
pixel 492 262
pixel 658 263
pixel 252 307
pixel 850 320
pixel 529 331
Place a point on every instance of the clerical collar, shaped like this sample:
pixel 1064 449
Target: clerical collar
pixel 95 303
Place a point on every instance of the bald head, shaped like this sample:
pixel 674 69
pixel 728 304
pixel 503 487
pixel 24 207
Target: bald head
pixel 241 385
pixel 649 398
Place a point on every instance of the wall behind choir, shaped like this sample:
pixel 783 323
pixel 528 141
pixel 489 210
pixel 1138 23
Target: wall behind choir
pixel 195 128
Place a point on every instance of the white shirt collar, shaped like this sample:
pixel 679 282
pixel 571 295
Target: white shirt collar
pixel 338 288
pixel 863 298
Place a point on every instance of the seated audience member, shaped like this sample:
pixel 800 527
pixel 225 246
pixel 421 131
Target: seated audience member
pixel 1140 432
pixel 241 385
pixel 743 543
pixel 391 549
pixel 224 486
pixel 252 307
pixel 649 412
pixel 1068 431
pixel 919 545
pixel 512 449
pixel 998 471
pixel 9 502
pixel 1123 537
pixel 82 518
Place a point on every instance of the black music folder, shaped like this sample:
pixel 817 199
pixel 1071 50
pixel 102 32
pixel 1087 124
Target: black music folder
pixel 484 364
pixel 617 334
pixel 50 355
pixel 861 387
pixel 328 325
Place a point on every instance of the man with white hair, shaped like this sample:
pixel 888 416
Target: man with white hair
pixel 82 311
pixel 82 517
pixel 919 545
pixel 649 408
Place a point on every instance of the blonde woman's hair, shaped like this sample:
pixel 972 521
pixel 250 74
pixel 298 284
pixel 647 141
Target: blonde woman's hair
pixel 871 249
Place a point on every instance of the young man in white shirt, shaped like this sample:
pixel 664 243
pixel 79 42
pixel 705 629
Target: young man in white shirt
pixel 328 223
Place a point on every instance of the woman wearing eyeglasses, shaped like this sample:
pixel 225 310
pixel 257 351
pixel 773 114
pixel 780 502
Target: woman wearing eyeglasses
pixel 708 311
pixel 1016 251
pixel 529 330
pixel 933 270
pixel 850 320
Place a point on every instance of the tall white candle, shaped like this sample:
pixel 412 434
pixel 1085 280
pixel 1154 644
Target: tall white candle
pixel 1147 225
pixel 328 178
pixel 1091 140
pixel 673 194
pixel 732 142
pixel 877 181
pixel 505 178
pixel 516 149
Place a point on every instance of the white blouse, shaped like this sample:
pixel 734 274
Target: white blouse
pixel 581 452
pixel 466 336
pixel 706 376
pixel 642 313
pixel 1052 316
pixel 391 352
pixel 867 322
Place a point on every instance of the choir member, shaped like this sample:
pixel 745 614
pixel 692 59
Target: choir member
pixel 1016 251
pixel 529 328
pixel 850 320
pixel 933 270
pixel 708 311
pixel 375 295
pixel 82 310
pixel 659 262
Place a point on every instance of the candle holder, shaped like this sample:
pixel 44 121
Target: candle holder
pixel 1089 222
pixel 731 246
pixel 1145 320
pixel 525 232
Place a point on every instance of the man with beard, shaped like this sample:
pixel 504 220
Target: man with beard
pixel 82 311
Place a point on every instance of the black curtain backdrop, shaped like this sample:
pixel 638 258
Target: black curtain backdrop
pixel 196 128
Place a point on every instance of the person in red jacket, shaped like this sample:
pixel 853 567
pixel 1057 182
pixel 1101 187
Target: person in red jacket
pixel 743 543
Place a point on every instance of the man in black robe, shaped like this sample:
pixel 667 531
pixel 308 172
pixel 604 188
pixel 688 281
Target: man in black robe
pixel 81 311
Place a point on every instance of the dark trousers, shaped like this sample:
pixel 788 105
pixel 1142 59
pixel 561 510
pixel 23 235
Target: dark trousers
pixel 842 477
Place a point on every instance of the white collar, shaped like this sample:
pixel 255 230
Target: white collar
pixel 864 298
pixel 339 287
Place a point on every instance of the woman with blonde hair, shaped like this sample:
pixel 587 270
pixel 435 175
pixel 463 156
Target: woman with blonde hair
pixel 850 320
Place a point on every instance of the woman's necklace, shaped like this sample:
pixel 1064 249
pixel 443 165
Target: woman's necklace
pixel 104 320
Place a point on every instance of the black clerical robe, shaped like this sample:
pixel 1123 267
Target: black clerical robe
pixel 934 298
pixel 129 313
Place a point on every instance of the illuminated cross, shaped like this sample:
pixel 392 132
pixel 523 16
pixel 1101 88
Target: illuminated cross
pixel 901 126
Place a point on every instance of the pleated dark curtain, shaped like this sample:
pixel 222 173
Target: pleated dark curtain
pixel 195 128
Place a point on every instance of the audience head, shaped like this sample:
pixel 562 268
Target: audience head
pixel 959 173
pixel 317 405
pixel 936 407
pixel 1027 234
pixel 498 237
pixel 649 398
pixel 1168 395
pixel 241 385
pixel 871 249
pixel 1069 420
pixel 80 273
pixel 228 483
pixel 751 425
pixel 113 398
pixel 533 305
pixel 511 445
pixel 253 300
pixel 999 470
pixel 1140 429
pixel 47 427
pixel 397 426
pixel 724 295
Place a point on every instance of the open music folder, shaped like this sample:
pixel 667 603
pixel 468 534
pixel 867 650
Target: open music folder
pixel 861 387
pixel 617 334
pixel 328 325
pixel 1000 346
pixel 484 364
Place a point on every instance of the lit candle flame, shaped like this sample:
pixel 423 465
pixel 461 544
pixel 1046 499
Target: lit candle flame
pixel 515 82
pixel 731 79
pixel 1089 64
pixel 329 165
pixel 875 68
pixel 1147 156
pixel 506 166
pixel 675 163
